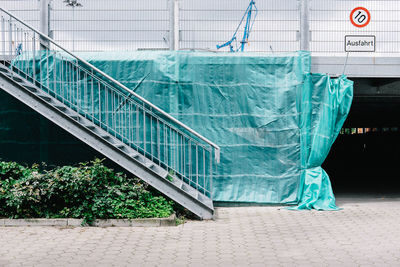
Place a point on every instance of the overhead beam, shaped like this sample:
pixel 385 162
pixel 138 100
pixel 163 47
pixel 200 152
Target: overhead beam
pixel 357 66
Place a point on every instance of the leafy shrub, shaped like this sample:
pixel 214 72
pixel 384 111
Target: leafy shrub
pixel 90 191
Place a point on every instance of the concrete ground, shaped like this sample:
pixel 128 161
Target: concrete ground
pixel 365 233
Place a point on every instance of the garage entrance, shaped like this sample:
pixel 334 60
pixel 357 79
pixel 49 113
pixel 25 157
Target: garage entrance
pixel 365 158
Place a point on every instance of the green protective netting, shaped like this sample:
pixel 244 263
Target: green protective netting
pixel 274 121
pixel 324 108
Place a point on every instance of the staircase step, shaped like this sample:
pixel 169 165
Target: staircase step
pixel 139 158
pixel 205 200
pixel 30 87
pixel 190 190
pixel 178 183
pixel 44 97
pixel 108 138
pixel 133 155
pixel 157 169
pixel 4 69
pixel 90 127
pixel 59 107
pixel 17 79
pixel 8 74
pixel 121 146
pixel 150 165
pixel 74 117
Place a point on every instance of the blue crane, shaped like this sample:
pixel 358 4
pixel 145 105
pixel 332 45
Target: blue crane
pixel 247 29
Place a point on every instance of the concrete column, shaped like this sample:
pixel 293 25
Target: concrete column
pixel 305 25
pixel 44 16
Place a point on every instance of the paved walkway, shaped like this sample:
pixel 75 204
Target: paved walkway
pixel 366 232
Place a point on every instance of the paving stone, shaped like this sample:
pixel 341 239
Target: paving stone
pixel 363 233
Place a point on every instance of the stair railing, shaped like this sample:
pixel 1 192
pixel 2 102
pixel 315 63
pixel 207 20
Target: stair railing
pixel 109 104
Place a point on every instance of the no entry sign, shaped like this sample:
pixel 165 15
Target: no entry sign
pixel 360 17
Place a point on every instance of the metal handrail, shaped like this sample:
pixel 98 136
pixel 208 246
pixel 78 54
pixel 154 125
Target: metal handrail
pixel 216 147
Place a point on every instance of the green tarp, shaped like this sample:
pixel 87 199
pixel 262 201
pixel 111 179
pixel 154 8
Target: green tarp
pixel 274 121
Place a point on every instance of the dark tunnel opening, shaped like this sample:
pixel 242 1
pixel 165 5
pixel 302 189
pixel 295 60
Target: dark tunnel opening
pixel 365 158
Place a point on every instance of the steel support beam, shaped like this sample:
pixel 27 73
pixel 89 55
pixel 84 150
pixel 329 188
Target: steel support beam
pixel 174 24
pixel 44 21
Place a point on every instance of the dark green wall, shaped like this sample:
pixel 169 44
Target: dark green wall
pixel 27 137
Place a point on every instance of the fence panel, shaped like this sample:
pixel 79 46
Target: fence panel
pixel 27 9
pixel 206 23
pixel 330 22
pixel 118 25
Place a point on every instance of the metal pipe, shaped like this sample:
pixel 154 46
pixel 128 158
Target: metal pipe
pixel 304 25
pixel 173 25
pixel 10 42
pixel 176 25
pixel 3 35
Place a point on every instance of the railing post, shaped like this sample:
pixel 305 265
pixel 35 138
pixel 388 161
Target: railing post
pixel 44 22
pixel 3 36
pixel 10 37
pixel 304 25
pixel 174 24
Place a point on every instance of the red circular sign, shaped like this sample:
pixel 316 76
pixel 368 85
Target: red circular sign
pixel 360 17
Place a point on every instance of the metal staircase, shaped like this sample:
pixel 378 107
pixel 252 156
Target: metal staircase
pixel 106 115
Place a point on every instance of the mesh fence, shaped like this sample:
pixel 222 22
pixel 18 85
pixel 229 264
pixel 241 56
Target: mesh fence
pixel 126 25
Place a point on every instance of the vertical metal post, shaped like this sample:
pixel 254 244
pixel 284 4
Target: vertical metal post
pixel 44 22
pixel 10 38
pixel 34 56
pixel 44 44
pixel 304 25
pixel 174 24
pixel 3 36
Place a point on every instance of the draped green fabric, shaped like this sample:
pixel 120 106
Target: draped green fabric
pixel 324 110
pixel 274 121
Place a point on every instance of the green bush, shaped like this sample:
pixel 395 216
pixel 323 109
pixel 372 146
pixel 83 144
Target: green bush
pixel 90 191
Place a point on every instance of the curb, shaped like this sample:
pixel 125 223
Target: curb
pixel 146 222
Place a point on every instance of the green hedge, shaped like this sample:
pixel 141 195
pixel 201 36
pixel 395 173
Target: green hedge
pixel 90 191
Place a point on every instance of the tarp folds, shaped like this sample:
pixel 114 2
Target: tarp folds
pixel 246 103
pixel 274 121
pixel 324 110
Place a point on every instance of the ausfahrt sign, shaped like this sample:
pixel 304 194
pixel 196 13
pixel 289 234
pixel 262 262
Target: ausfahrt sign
pixel 359 43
